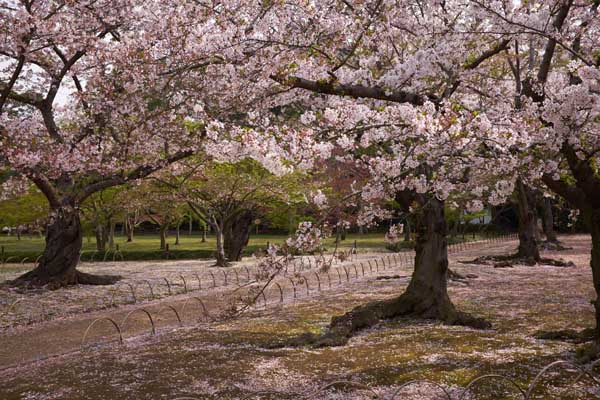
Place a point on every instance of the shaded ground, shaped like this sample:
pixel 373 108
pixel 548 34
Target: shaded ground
pixel 231 360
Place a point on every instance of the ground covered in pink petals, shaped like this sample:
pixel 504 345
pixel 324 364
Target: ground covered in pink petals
pixel 240 358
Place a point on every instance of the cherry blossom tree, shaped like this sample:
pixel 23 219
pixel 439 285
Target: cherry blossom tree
pixel 94 95
pixel 556 69
pixel 393 84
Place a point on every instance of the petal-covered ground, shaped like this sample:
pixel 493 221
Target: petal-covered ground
pixel 238 358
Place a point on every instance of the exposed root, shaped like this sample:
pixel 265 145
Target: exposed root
pixel 553 246
pixel 509 261
pixel 567 335
pixel 389 277
pixel 456 277
pixel 343 327
pixel 588 352
pixel 34 279
pixel 83 278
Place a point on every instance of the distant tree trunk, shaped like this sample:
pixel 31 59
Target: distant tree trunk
pixel 237 235
pixel 18 233
pixel 204 234
pixel 190 225
pixel 111 235
pixel 548 220
pixel 343 234
pixel 129 227
pixel 57 266
pixel 528 246
pixel 407 230
pixel 100 242
pixel 163 236
pixel 177 234
pixel 221 261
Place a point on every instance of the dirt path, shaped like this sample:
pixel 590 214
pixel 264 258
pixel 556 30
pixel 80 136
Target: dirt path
pixel 28 344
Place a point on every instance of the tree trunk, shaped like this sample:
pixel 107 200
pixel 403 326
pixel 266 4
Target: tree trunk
pixel 548 220
pixel 204 234
pixel 407 230
pixel 177 234
pixel 220 256
pixel 528 246
pixel 237 235
pixel 163 237
pixel 100 243
pixel 129 227
pixel 190 225
pixel 58 265
pixel 111 235
pixel 592 220
pixel 426 295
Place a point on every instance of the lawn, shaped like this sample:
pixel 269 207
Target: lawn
pixel 147 247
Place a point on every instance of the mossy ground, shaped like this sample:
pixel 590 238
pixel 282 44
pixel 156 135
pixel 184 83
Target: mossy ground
pixel 233 359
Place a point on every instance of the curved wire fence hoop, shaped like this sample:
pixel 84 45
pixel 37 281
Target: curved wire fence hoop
pixel 169 307
pixel 112 321
pixel 147 282
pixel 117 289
pixel 185 288
pixel 142 310
pixel 280 292
pixel 318 281
pixel 199 281
pixel 534 383
pixel 352 384
pixel 199 301
pixel 473 383
pixel 418 381
pixel 168 286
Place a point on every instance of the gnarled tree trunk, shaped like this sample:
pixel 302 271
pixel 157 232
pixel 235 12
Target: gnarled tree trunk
pixel 426 295
pixel 58 265
pixel 237 235
pixel 528 245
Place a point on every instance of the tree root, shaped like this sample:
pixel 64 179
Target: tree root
pixel 509 261
pixel 33 279
pixel 553 246
pixel 343 327
pixel 588 352
pixel 456 277
pixel 567 335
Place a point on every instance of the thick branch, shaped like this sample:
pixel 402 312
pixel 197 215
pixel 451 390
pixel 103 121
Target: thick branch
pixel 138 173
pixel 356 91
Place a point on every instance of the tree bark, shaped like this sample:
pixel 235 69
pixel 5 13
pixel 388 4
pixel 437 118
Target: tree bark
pixel 220 256
pixel 58 265
pixel 426 295
pixel 592 220
pixel 528 246
pixel 204 234
pixel 163 236
pixel 548 220
pixel 237 235
pixel 111 235
pixel 100 242
pixel 129 227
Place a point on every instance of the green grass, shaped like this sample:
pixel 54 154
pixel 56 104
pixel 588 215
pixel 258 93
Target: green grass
pixel 147 247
